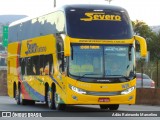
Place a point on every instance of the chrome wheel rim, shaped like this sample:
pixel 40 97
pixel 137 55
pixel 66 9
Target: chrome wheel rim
pixel 49 99
pixel 17 95
pixel 55 99
pixel 20 97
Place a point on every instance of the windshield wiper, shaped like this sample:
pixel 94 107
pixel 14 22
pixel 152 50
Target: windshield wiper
pixel 87 74
pixel 119 76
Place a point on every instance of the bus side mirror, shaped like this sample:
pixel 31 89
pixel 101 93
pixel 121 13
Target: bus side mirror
pixel 143 45
pixel 67 46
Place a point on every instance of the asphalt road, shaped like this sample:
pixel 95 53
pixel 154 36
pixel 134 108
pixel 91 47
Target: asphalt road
pixel 89 112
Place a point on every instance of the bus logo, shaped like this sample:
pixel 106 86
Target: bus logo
pixel 34 48
pixel 100 16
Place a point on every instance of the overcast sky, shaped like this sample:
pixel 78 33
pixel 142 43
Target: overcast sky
pixel 146 10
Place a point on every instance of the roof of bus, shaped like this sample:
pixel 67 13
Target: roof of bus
pixel 93 6
pixel 72 6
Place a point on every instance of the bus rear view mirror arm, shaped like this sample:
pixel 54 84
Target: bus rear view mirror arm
pixel 67 47
pixel 143 45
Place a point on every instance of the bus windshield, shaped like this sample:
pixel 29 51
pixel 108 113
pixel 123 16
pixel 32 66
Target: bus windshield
pixel 98 24
pixel 90 61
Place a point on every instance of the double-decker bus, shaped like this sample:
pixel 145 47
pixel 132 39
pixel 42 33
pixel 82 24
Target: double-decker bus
pixel 76 55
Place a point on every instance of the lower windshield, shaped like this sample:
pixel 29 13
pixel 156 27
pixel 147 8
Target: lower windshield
pixel 89 61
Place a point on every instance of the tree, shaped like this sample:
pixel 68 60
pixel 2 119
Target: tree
pixel 155 54
pixel 142 29
pixel 154 47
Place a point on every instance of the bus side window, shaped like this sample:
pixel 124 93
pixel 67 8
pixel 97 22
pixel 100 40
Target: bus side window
pixel 41 64
pixel 51 70
pixel 29 64
pixel 60 52
pixel 48 65
pixel 36 65
pixel 23 65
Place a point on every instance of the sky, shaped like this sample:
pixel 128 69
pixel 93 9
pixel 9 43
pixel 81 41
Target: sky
pixel 145 10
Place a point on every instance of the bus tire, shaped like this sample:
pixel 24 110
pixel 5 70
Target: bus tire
pixel 50 99
pixel 58 106
pixel 114 107
pixel 104 106
pixel 19 99
pixel 17 96
pixel 30 102
pixel 14 90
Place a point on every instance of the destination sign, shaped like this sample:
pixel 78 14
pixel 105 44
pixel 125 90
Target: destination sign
pixel 90 16
pixel 89 47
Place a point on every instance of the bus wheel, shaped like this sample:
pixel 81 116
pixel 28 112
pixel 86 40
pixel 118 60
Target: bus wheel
pixel 19 98
pixel 58 106
pixel 104 106
pixel 50 100
pixel 30 102
pixel 113 107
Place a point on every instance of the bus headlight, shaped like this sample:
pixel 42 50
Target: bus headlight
pixel 77 90
pixel 127 91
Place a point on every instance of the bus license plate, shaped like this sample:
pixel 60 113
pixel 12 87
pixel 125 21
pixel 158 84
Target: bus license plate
pixel 103 100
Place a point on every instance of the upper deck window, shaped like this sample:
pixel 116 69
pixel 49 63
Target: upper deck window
pixel 98 24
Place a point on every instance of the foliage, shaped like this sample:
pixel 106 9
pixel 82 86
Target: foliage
pixel 142 29
pixel 152 39
pixel 154 47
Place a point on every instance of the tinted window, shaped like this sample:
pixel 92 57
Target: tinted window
pixel 37 65
pixel 44 25
pixel 95 61
pixel 102 24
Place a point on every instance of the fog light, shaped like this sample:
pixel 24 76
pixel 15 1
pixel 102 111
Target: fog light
pixel 130 98
pixel 74 97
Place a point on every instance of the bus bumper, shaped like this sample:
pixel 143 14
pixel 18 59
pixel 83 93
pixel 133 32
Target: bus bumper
pixel 75 98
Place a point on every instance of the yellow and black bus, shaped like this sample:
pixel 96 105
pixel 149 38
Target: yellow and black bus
pixel 76 55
